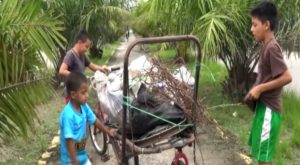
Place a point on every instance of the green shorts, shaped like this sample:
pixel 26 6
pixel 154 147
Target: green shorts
pixel 264 133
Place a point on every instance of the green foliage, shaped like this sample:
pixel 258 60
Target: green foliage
pixel 219 25
pixel 105 23
pixel 26 32
pixel 104 20
pixel 223 29
pixel 167 55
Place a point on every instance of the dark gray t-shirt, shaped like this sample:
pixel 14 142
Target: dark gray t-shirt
pixel 76 62
pixel 271 65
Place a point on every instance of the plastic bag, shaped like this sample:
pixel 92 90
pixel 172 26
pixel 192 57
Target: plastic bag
pixel 110 95
pixel 140 65
pixel 184 75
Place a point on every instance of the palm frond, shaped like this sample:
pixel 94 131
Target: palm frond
pixel 26 31
pixel 17 106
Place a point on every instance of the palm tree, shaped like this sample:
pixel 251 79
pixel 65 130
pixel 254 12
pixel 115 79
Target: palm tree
pixel 105 21
pixel 223 28
pixel 26 32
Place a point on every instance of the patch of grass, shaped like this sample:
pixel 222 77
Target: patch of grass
pixel 284 153
pixel 28 151
pixel 232 116
pixel 295 140
pixel 289 145
pixel 152 47
pixel 166 55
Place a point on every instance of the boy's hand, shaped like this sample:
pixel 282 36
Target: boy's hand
pixel 105 69
pixel 253 94
pixel 105 129
pixel 112 132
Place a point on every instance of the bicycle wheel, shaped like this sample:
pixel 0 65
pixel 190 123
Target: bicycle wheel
pixel 98 138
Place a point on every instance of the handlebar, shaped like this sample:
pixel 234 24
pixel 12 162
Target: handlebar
pixel 114 68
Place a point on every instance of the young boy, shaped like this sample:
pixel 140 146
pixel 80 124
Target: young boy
pixel 74 119
pixel 75 60
pixel 272 76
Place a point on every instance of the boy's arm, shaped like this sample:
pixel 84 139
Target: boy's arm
pixel 278 82
pixel 72 151
pixel 110 132
pixel 63 70
pixel 95 67
pixel 92 119
pixel 67 62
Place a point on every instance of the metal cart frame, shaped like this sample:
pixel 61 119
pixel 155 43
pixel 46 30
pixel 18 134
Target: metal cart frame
pixel 153 40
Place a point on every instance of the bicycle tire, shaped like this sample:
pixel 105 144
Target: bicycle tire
pixel 98 138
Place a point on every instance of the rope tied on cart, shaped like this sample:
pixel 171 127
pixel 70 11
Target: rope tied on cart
pixel 130 106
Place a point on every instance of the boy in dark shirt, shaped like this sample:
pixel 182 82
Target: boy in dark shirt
pixel 272 76
pixel 75 60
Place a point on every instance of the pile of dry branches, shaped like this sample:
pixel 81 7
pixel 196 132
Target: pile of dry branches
pixel 172 89
pixel 182 94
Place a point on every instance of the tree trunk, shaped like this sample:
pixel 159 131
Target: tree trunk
pixel 238 82
pixel 240 68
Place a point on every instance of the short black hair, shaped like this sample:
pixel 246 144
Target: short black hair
pixel 266 11
pixel 82 36
pixel 74 81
